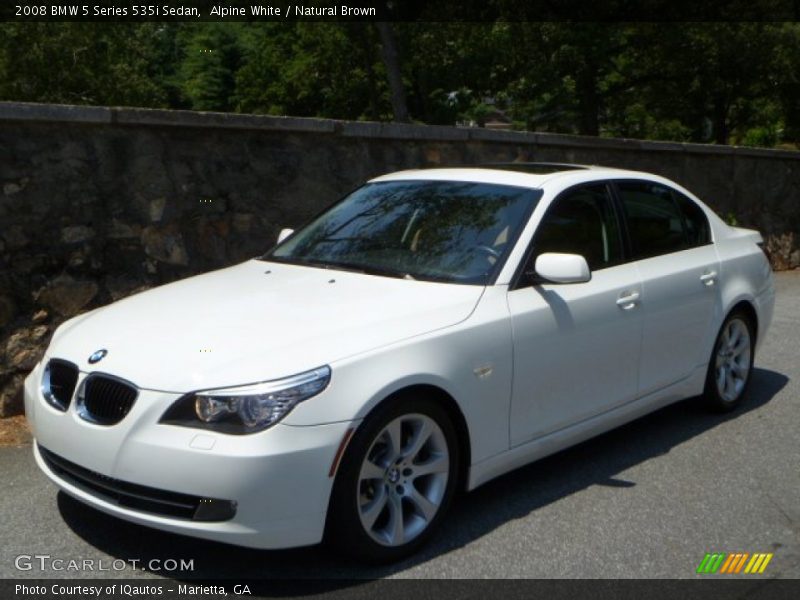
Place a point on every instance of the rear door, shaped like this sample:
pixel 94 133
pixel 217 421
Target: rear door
pixel 679 268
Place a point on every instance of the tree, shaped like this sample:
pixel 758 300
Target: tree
pixel 312 69
pixel 81 63
pixel 788 64
pixel 210 60
pixel 723 82
pixel 718 80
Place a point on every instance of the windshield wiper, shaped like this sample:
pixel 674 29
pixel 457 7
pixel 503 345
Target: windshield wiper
pixel 356 268
pixel 366 269
pixel 387 272
pixel 344 266
pixel 327 264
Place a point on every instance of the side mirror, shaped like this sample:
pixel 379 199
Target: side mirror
pixel 562 268
pixel 285 232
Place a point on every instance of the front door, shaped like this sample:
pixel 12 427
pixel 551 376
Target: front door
pixel 576 346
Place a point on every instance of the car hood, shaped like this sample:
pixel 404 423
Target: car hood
pixel 254 322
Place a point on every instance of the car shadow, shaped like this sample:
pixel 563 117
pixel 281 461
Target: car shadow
pixel 512 496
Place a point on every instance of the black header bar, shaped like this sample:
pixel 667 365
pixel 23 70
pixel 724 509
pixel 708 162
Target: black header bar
pixel 398 10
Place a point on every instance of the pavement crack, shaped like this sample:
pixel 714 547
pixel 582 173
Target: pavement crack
pixel 793 525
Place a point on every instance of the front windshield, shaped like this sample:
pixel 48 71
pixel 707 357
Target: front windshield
pixel 448 231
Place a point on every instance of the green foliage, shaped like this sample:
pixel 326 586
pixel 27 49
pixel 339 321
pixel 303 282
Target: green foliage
pixel 716 78
pixel 724 82
pixel 765 137
pixel 312 69
pixel 210 60
pixel 81 63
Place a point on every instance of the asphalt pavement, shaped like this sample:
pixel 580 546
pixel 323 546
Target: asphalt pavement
pixel 647 500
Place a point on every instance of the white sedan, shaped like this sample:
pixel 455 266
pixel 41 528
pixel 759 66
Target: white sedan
pixel 429 332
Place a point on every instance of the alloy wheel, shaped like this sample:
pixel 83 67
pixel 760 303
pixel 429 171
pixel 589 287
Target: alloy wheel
pixel 403 479
pixel 732 360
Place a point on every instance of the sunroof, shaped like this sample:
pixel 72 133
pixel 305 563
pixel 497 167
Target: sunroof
pixel 536 168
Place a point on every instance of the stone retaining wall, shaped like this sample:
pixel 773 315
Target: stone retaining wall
pixel 97 202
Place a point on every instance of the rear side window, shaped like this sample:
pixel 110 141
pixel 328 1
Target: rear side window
pixel 698 232
pixel 655 224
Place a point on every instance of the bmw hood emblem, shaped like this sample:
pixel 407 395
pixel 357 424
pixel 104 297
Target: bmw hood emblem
pixel 97 356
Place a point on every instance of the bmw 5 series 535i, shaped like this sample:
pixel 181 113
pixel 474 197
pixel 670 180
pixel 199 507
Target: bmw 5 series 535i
pixel 432 330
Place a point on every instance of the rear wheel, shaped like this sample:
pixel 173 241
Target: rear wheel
pixel 395 482
pixel 731 363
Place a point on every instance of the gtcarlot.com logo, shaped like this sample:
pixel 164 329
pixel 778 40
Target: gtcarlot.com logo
pixel 45 562
pixel 734 563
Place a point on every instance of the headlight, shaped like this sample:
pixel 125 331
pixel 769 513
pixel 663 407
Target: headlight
pixel 248 408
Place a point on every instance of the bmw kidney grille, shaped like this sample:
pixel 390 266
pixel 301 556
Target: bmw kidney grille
pixel 58 383
pixel 105 400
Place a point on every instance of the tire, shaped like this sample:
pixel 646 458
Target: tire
pixel 389 497
pixel 730 367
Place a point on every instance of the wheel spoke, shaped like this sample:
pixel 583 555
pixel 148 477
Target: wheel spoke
pixel 424 507
pixel 734 336
pixel 369 470
pixel 721 376
pixel 436 464
pixel 395 529
pixel 393 432
pixel 741 364
pixel 730 385
pixel 724 342
pixel 371 511
pixel 421 436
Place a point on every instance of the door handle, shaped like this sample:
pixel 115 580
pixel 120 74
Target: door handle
pixel 628 300
pixel 709 278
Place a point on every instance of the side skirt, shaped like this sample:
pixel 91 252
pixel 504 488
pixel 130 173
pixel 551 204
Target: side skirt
pixel 553 442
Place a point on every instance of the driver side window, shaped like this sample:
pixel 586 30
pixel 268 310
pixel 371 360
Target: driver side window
pixel 581 221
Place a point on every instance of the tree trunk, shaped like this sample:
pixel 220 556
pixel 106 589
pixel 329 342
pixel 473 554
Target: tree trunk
pixel 392 62
pixel 365 39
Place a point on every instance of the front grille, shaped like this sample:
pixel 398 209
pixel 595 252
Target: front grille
pixel 139 497
pixel 105 400
pixel 58 383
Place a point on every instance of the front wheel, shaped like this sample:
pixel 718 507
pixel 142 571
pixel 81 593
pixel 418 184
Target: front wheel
pixel 395 482
pixel 731 364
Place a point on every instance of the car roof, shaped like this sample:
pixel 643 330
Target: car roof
pixel 531 175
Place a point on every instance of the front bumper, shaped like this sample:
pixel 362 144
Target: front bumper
pixel 278 479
